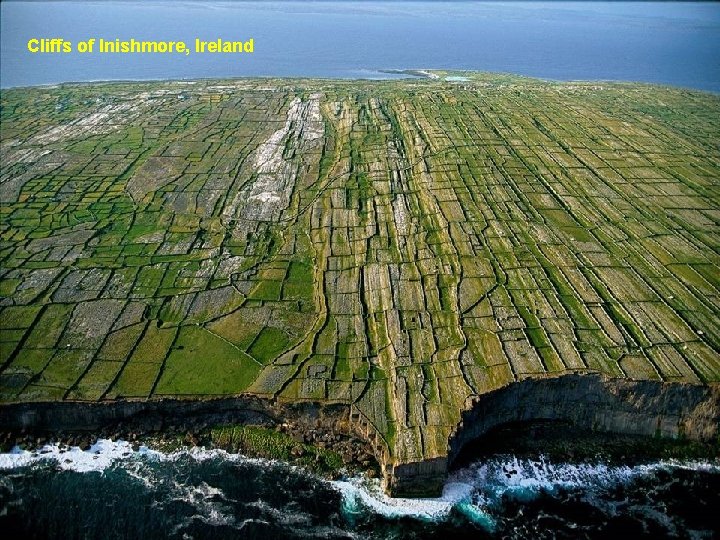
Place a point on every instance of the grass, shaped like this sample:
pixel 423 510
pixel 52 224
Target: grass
pixel 439 240
pixel 269 343
pixel 203 364
pixel 136 380
pixel 257 441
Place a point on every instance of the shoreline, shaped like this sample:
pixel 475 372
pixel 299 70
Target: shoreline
pixel 336 457
pixel 485 496
pixel 316 436
pixel 629 422
pixel 323 435
pixel 383 75
pixel 326 455
pixel 561 441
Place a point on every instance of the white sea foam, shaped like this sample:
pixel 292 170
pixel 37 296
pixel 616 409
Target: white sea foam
pixel 472 491
pixel 104 453
pixel 98 457
pixel 362 494
pixel 527 475
pixel 207 501
pixel 475 490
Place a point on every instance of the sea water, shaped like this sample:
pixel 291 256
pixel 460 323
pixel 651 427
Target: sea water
pixel 113 491
pixel 675 43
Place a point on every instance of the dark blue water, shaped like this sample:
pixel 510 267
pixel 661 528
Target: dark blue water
pixel 668 42
pixel 111 492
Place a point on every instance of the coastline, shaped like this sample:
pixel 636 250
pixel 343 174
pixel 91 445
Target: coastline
pixel 332 456
pixel 317 437
pixel 192 486
pixel 382 76
pixel 325 454
pixel 561 441
pixel 626 422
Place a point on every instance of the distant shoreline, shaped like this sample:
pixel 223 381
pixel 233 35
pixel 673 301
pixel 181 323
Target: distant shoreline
pixel 550 40
pixel 402 75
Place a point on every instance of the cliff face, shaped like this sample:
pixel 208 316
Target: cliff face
pixel 594 402
pixel 163 414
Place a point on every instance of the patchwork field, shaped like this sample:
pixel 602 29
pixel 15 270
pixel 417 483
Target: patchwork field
pixel 398 246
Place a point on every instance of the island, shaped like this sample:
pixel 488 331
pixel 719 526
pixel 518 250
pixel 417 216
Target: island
pixel 417 261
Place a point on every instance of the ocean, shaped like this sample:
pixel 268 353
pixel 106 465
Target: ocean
pixel 112 491
pixel 676 43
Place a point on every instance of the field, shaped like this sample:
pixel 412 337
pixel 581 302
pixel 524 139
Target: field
pixel 398 245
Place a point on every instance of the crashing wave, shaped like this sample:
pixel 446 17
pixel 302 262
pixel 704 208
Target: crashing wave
pixel 105 453
pixel 476 492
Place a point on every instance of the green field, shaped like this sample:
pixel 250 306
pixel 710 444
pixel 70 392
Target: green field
pixel 396 245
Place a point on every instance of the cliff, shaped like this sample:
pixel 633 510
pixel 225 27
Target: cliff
pixel 593 402
pixel 648 408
